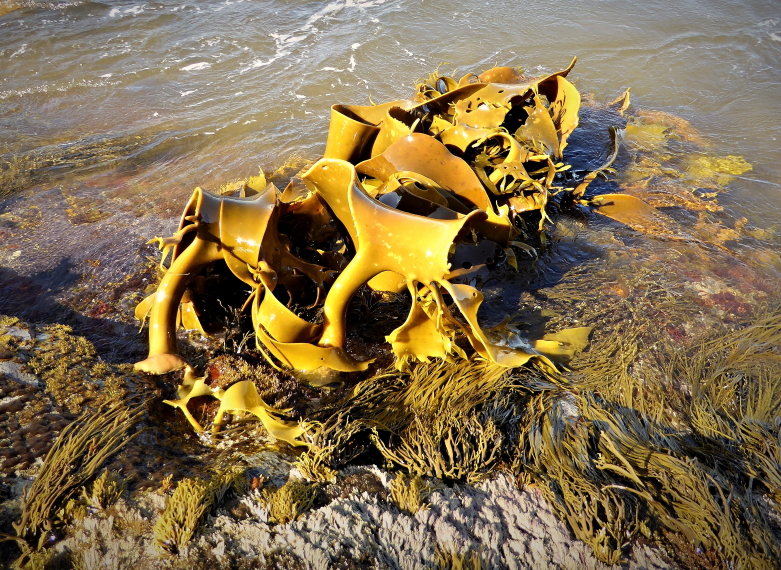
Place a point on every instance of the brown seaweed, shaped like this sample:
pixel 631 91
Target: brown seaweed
pixel 414 195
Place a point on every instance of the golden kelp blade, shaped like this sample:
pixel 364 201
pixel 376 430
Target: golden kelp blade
pixel 244 397
pixel 468 300
pixel 385 240
pixel 427 332
pixel 225 228
pixel 633 212
pixel 354 128
pixel 193 388
pixel 562 346
pixel 427 156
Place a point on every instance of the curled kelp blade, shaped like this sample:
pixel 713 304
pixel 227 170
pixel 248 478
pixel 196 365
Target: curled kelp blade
pixel 469 262
pixel 225 228
pixel 385 240
pixel 442 104
pixel 564 101
pixel 468 300
pixel 422 187
pixel 388 281
pixel 306 357
pixel 460 137
pixel 420 337
pixel 408 196
pixel 539 131
pixel 280 322
pixel 192 388
pixel 353 129
pixel 292 340
pixel 488 108
pixel 397 123
pixel 427 156
pixel 188 317
pixel 243 225
pixel 430 158
pixel 244 397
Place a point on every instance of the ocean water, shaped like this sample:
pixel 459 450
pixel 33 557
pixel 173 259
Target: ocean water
pixel 112 112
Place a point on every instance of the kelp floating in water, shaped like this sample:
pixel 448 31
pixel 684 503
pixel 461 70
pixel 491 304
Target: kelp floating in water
pixel 419 195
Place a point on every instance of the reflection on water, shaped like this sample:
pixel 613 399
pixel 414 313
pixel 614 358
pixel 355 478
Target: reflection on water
pixel 110 113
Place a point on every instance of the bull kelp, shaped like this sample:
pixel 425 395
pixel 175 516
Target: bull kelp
pixel 412 207
pixel 418 195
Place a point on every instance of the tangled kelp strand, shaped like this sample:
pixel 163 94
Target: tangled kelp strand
pixel 458 447
pixel 314 465
pixel 612 465
pixel 698 463
pixel 74 459
pixel 449 420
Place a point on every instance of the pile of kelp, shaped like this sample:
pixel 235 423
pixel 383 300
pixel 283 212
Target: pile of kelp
pixel 425 196
pixel 422 195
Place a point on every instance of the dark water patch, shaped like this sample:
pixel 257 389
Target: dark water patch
pixel 37 298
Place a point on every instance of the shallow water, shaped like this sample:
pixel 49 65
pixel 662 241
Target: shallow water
pixel 111 113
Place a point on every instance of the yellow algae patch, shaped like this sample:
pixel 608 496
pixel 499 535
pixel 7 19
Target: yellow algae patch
pixel 564 345
pixel 722 170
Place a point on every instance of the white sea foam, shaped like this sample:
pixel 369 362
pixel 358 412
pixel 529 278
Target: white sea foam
pixel 20 51
pixel 260 63
pixel 196 66
pixel 287 39
pixel 284 42
pixel 184 93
